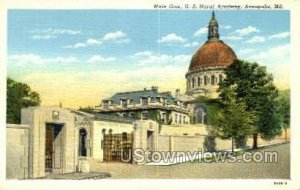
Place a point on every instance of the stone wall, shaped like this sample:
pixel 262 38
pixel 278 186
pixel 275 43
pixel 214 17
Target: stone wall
pixel 17 151
pixel 178 130
pixel 196 142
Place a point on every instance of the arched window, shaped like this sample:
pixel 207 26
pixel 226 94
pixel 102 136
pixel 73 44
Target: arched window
pixel 220 78
pixel 200 115
pixel 82 142
pixel 212 80
pixel 198 81
pixel 205 80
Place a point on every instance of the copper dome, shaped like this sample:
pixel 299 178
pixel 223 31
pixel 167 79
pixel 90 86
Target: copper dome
pixel 212 53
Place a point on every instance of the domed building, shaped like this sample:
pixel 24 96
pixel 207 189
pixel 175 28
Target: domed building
pixel 205 72
pixel 207 64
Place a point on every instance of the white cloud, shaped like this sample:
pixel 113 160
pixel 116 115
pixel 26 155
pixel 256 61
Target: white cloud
pixel 256 39
pixel 79 45
pixel 246 31
pixel 63 31
pixel 194 44
pixel 226 27
pixel 25 59
pixel 163 59
pixel 261 39
pixel 232 38
pixel 117 37
pixel 143 53
pixel 172 38
pixel 51 33
pixel 87 43
pixel 275 55
pixel 277 60
pixel 99 58
pixel 200 32
pixel 93 42
pixel 246 51
pixel 69 59
pixel 42 37
pixel 279 35
pixel 33 59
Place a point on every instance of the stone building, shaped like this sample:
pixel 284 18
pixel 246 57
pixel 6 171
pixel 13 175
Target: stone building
pixel 146 104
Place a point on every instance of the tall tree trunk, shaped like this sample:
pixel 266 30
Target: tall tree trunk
pixel 285 134
pixel 255 140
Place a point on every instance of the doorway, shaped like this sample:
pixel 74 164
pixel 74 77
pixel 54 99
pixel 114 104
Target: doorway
pixel 53 147
pixel 150 140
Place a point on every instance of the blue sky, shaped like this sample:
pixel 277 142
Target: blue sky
pixel 98 52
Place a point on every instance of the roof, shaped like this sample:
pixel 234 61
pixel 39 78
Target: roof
pixel 212 53
pixel 136 95
pixel 115 118
pixel 106 117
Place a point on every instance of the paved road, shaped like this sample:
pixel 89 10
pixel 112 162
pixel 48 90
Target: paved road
pixel 279 170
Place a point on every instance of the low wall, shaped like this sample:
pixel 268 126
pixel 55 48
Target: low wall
pixel 180 143
pixel 193 143
pixel 17 151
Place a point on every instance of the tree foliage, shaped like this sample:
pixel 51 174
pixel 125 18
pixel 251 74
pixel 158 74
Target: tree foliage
pixel 88 109
pixel 283 108
pixel 19 95
pixel 254 86
pixel 235 122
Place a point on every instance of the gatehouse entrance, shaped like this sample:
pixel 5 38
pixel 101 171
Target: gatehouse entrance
pixel 54 147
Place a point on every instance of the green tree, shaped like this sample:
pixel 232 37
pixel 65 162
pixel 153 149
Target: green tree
pixel 254 86
pixel 88 109
pixel 19 95
pixel 283 110
pixel 235 122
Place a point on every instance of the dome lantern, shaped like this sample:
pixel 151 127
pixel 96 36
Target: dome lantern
pixel 213 28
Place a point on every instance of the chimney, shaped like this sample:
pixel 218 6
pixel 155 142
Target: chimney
pixel 177 93
pixel 154 88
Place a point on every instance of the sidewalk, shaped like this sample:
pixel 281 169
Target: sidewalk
pixel 78 176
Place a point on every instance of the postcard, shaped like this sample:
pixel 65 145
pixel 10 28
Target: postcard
pixel 152 94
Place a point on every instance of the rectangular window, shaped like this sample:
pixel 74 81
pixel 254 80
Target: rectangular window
pixel 105 105
pixel 124 103
pixel 144 101
pixel 145 115
pixel 179 118
pixel 164 117
pixel 175 118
